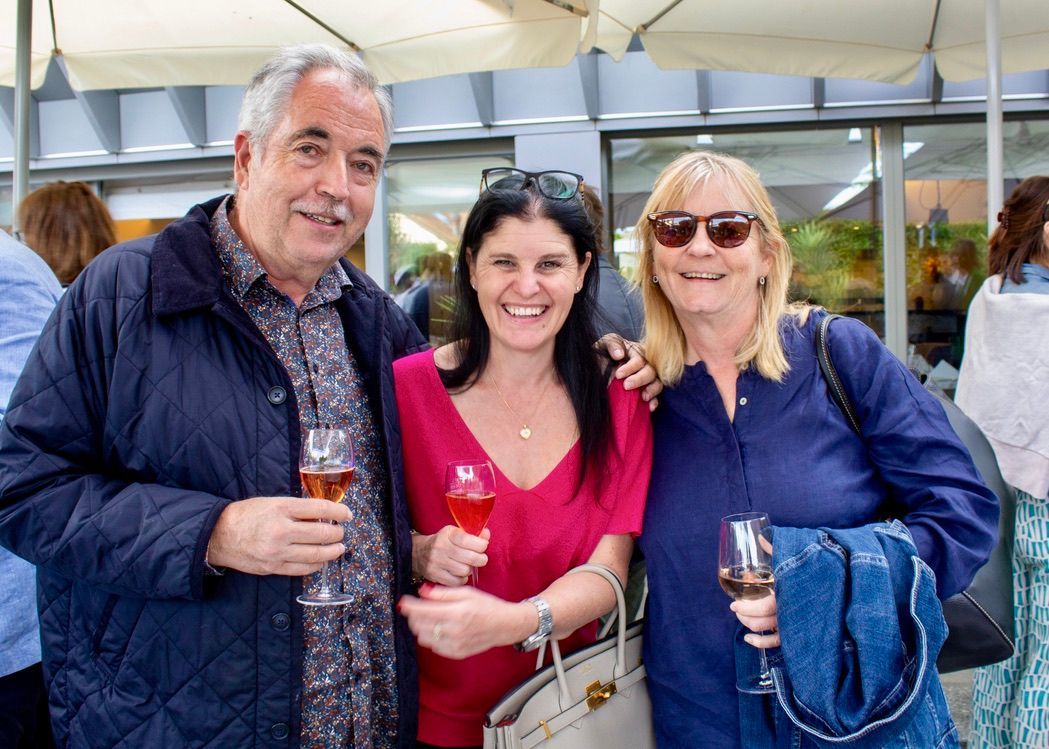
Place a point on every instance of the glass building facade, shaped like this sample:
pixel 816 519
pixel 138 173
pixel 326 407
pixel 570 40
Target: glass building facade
pixel 881 188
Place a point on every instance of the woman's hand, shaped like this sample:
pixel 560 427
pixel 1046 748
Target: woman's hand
pixel 464 621
pixel 447 556
pixel 635 370
pixel 759 616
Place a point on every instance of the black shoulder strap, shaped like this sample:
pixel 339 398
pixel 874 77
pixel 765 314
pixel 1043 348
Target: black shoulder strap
pixel 831 374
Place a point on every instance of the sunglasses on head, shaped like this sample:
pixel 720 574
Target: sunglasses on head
pixel 552 183
pixel 725 229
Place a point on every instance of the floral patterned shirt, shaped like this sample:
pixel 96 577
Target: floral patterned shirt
pixel 349 693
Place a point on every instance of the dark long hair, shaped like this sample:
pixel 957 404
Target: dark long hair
pixel 1019 238
pixel 575 360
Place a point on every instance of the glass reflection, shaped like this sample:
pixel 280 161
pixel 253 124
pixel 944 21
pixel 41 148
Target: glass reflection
pixel 825 185
pixel 428 201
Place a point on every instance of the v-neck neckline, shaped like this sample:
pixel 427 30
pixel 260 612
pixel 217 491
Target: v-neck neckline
pixel 467 434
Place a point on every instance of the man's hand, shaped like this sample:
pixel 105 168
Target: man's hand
pixel 278 535
pixel 636 371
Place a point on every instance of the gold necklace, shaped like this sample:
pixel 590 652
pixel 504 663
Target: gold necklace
pixel 525 431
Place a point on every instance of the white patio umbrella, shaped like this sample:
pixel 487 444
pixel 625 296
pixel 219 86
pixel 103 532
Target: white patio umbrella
pixel 106 44
pixel 111 44
pixel 882 41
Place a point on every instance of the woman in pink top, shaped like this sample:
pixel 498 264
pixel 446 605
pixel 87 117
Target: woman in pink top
pixel 522 387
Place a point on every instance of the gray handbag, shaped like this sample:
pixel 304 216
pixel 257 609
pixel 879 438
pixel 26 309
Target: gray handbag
pixel 595 697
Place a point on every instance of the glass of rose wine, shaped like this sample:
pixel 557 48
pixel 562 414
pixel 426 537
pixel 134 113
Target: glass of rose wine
pixel 469 489
pixel 745 567
pixel 326 470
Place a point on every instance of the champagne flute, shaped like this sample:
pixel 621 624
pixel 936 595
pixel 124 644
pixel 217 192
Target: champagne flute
pixel 745 567
pixel 469 489
pixel 326 469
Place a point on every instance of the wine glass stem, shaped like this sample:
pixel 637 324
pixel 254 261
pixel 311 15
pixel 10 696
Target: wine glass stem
pixel 325 590
pixel 473 576
pixel 764 678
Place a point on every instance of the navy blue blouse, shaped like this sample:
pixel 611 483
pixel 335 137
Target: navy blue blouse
pixel 790 453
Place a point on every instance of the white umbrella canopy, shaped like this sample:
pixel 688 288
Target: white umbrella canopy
pixel 883 40
pixel 148 43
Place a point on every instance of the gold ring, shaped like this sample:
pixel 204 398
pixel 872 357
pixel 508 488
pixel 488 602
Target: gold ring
pixel 436 634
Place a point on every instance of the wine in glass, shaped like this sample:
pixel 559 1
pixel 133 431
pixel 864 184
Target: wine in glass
pixel 326 470
pixel 469 488
pixel 745 567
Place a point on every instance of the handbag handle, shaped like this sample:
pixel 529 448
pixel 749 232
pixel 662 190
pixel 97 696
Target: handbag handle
pixel 620 667
pixel 837 391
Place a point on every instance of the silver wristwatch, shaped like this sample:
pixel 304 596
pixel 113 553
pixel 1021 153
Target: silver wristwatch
pixel 546 626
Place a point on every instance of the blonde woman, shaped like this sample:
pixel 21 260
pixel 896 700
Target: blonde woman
pixel 747 424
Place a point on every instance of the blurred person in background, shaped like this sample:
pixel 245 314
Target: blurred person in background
pixel 619 309
pixel 1004 387
pixel 415 301
pixel 404 281
pixel 963 277
pixel 67 225
pixel 428 301
pixel 931 291
pixel 28 293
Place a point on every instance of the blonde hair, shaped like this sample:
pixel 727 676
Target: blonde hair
pixel 67 225
pixel 664 337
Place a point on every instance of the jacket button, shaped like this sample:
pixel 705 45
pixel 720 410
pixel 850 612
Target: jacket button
pixel 279 731
pixel 280 622
pixel 277 395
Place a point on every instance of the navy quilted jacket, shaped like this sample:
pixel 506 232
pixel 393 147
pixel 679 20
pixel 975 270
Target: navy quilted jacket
pixel 150 402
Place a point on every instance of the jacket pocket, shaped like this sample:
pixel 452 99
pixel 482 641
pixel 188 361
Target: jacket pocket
pixel 104 655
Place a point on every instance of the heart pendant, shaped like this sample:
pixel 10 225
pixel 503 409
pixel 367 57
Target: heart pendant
pixel 525 433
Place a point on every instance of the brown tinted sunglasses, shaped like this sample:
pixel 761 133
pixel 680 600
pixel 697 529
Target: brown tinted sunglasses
pixel 725 229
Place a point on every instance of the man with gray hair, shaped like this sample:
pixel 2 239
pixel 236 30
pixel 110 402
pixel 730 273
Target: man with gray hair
pixel 149 457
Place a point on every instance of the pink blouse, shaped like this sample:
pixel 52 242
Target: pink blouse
pixel 538 534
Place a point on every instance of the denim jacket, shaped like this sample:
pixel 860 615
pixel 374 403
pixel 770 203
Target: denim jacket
pixel 861 627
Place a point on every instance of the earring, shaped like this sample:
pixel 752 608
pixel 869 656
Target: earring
pixel 761 281
pixel 473 286
pixel 578 288
pixel 655 280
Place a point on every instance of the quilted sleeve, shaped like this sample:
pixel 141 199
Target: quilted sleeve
pixel 66 502
pixel 934 487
